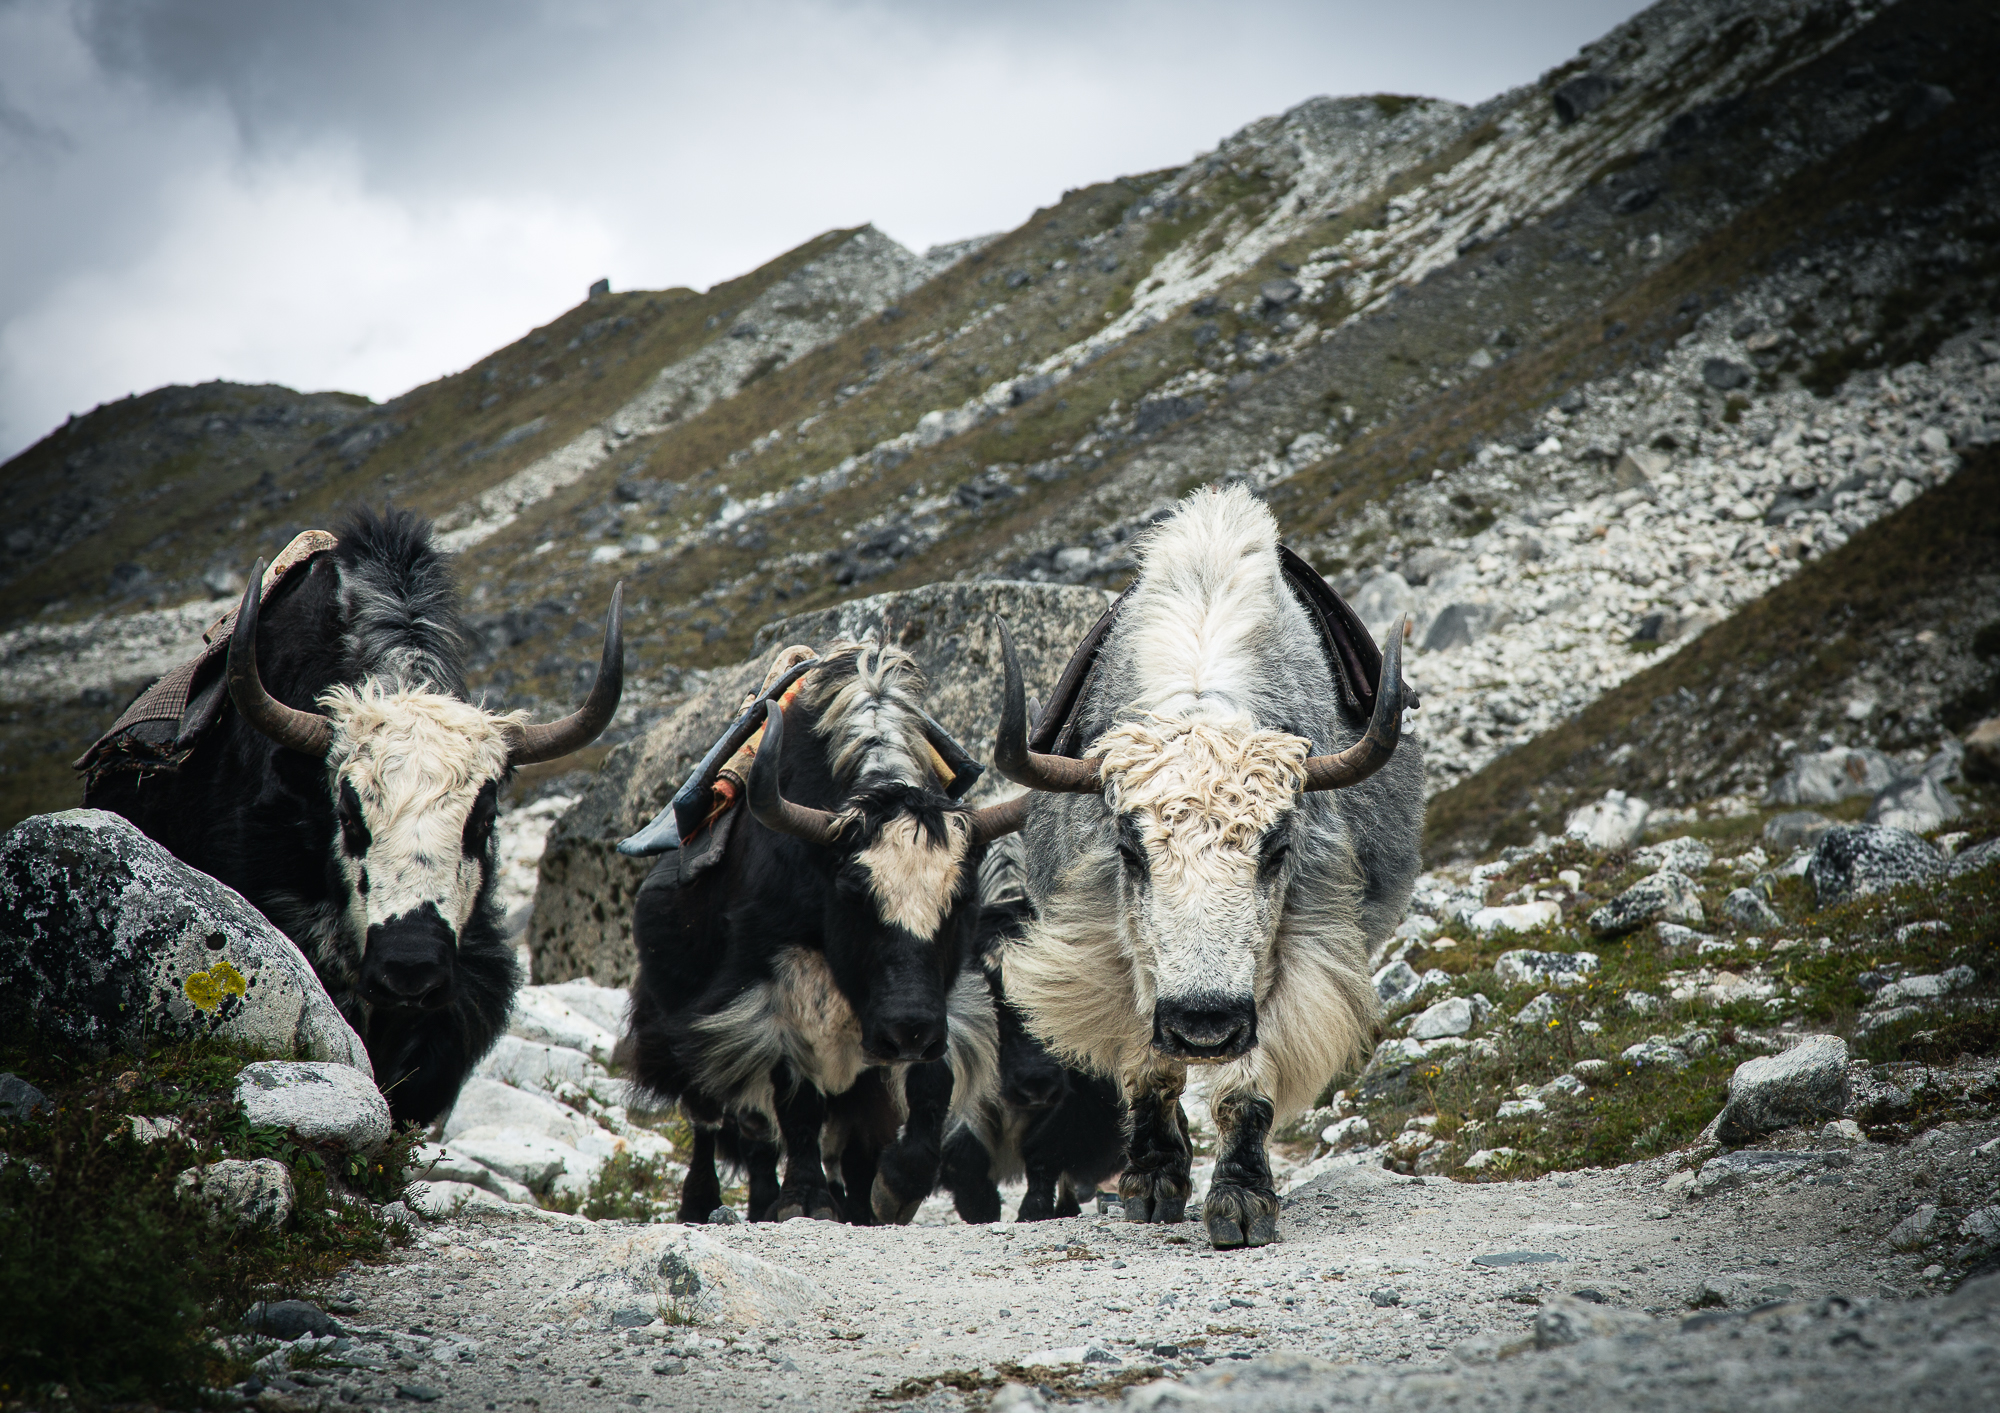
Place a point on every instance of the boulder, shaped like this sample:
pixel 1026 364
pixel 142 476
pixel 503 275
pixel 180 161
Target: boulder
pixel 527 1065
pixel 319 1102
pixel 434 1162
pixel 1655 1052
pixel 19 1099
pixel 108 938
pixel 1794 829
pixel 1383 601
pixel 243 1192
pixel 1853 860
pixel 1448 1017
pixel 1919 805
pixel 701 1280
pixel 606 1005
pixel 1517 917
pixel 1977 857
pixel 437 1201
pixel 1614 822
pixel 1801 1085
pixel 289 1319
pixel 1665 896
pixel 1827 777
pixel 1528 968
pixel 1982 751
pixel 1917 1230
pixel 583 906
pixel 1396 983
pixel 541 1016
pixel 1747 909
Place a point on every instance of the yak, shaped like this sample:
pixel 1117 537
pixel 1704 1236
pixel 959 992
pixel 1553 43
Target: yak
pixel 351 795
pixel 1213 866
pixel 809 990
pixel 1060 1129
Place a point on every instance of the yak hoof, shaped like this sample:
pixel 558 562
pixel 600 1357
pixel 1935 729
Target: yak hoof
pixel 1239 1216
pixel 891 1209
pixel 816 1203
pixel 1153 1197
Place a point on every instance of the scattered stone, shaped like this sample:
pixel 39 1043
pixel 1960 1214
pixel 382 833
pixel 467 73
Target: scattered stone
pixel 724 1217
pixel 1592 1071
pixel 1982 1225
pixel 1917 1230
pixel 1683 855
pixel 1566 1319
pixel 1918 805
pixel 1853 860
pixel 1977 857
pixel 1397 983
pixel 1539 1011
pixel 1828 777
pixel 1843 1131
pixel 542 1016
pixel 418 1393
pixel 699 1277
pixel 315 1100
pixel 1487 1157
pixel 115 939
pixel 1747 909
pixel 1799 1085
pixel 1396 1052
pixel 1655 1052
pixel 1517 917
pixel 288 1319
pixel 243 1192
pixel 1748 1166
pixel 1497 1259
pixel 1384 1297
pixel 1918 989
pixel 1724 375
pixel 441 1200
pixel 1642 1003
pixel 1673 937
pixel 1613 823
pixel 1529 968
pixel 1449 1017
pixel 1520 1108
pixel 1350 1132
pixel 145 1130
pixel 19 1099
pixel 1666 895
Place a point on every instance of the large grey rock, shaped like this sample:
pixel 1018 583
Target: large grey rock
pixel 1827 777
pixel 1853 860
pixel 1396 983
pixel 1461 624
pixel 1803 1084
pixel 701 1280
pixel 1665 896
pixel 105 937
pixel 1614 822
pixel 1452 1016
pixel 1793 829
pixel 1531 968
pixel 1977 857
pixel 434 1162
pixel 317 1101
pixel 1919 805
pixel 526 1065
pixel 243 1192
pixel 1383 601
pixel 19 1099
pixel 1747 909
pixel 583 907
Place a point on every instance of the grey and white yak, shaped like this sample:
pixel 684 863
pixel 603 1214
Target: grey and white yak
pixel 331 770
pixel 1223 830
pixel 804 984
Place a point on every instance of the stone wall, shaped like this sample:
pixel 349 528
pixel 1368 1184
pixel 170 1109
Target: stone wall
pixel 583 906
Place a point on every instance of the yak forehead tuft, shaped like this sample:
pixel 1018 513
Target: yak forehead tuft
pixel 1202 789
pixel 869 696
pixel 914 877
pixel 410 752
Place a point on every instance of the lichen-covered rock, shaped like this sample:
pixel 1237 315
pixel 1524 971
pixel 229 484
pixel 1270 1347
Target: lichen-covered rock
pixel 1683 855
pixel 1666 896
pixel 243 1192
pixel 1803 1084
pixel 105 936
pixel 583 908
pixel 1852 860
pixel 1827 777
pixel 1516 917
pixel 1530 968
pixel 317 1101
pixel 1747 909
pixel 1396 983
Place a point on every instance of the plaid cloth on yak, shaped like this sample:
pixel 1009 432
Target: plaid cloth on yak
pixel 166 723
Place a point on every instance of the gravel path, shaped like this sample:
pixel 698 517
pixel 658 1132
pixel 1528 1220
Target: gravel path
pixel 1388 1290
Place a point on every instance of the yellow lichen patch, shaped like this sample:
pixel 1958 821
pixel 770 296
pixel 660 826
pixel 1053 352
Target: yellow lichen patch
pixel 207 989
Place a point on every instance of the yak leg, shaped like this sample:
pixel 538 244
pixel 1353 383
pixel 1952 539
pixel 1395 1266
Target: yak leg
pixel 1241 1208
pixel 701 1191
pixel 801 1116
pixel 1038 1204
pixel 967 1173
pixel 1156 1181
pixel 1066 1203
pixel 760 1171
pixel 908 1171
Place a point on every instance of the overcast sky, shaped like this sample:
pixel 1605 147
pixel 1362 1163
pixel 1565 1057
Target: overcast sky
pixel 367 195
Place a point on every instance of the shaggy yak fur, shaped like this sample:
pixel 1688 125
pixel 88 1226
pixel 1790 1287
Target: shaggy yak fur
pixel 377 859
pixel 813 996
pixel 1202 907
pixel 1059 1128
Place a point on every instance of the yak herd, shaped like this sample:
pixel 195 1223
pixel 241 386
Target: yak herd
pixel 858 988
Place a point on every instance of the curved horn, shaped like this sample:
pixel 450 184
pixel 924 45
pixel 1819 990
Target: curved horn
pixel 993 821
pixel 1011 756
pixel 1385 728
pixel 306 732
pixel 582 726
pixel 768 804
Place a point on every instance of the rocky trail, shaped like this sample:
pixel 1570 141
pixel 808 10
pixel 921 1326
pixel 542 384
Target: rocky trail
pixel 1425 1292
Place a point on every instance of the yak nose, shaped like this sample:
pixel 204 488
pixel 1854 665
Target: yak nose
pixel 1204 1028
pixel 1035 1090
pixel 907 1038
pixel 408 962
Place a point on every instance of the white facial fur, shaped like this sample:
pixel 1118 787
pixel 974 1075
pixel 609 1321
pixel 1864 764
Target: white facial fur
pixel 1204 796
pixel 912 879
pixel 417 761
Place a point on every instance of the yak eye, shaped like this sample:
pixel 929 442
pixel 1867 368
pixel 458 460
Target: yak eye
pixel 479 823
pixel 353 826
